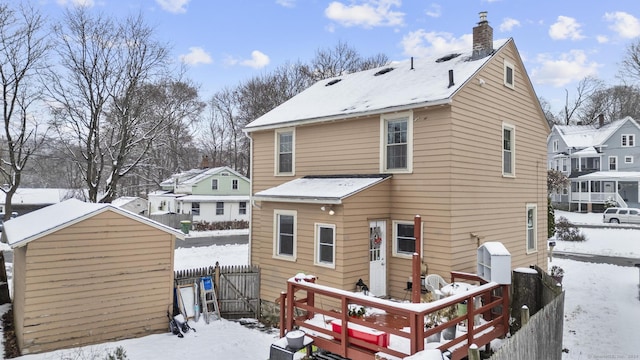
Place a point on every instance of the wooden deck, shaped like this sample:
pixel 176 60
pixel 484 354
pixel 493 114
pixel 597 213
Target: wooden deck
pixel 404 322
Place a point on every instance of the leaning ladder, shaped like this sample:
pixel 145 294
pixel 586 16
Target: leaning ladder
pixel 208 297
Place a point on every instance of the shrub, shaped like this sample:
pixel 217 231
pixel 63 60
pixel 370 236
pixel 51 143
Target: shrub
pixel 567 231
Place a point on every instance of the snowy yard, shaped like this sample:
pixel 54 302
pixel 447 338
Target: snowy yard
pixel 602 309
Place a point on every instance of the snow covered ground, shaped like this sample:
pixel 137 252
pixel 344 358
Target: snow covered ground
pixel 602 309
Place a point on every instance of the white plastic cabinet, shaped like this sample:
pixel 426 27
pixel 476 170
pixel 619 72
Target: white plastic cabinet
pixel 494 262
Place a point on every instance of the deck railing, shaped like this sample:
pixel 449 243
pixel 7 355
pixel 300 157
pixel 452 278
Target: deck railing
pixel 487 321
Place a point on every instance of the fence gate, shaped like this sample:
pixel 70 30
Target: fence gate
pixel 239 291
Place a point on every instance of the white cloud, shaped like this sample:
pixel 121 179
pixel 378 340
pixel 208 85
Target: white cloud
pixel 79 3
pixel 625 25
pixel 174 6
pixel 569 67
pixel 258 60
pixel 602 39
pixel 421 43
pixel 508 24
pixel 368 14
pixel 434 10
pixel 565 28
pixel 196 56
pixel 286 3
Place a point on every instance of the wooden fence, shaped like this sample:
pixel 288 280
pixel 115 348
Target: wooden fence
pixel 237 288
pixel 171 220
pixel 541 336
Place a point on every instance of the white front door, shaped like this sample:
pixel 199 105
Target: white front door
pixel 377 258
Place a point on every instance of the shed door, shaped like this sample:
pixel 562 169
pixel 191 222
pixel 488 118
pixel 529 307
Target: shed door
pixel 377 261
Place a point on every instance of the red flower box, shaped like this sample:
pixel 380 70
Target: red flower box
pixel 363 333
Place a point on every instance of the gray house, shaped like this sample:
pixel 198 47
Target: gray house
pixel 602 161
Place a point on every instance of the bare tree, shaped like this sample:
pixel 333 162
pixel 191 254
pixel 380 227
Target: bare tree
pixel 548 114
pixel 95 95
pixel 586 87
pixel 23 53
pixel 631 63
pixel 339 60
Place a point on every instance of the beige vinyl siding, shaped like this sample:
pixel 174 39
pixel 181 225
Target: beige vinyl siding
pixel 18 294
pixel 105 278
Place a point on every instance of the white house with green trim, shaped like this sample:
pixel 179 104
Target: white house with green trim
pixel 208 194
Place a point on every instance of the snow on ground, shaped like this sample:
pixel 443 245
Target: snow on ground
pixel 602 312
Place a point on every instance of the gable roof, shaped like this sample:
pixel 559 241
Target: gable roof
pixel 193 176
pixel 41 196
pixel 584 136
pixel 409 84
pixel 34 225
pixel 330 189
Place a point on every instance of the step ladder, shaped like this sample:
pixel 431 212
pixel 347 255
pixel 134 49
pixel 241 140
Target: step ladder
pixel 208 299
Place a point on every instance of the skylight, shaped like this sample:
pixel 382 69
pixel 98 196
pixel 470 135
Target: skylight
pixel 448 57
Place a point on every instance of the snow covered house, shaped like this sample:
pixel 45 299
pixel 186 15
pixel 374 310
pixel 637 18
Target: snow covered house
pixel 29 199
pixel 340 170
pixel 208 194
pixel 601 160
pixel 87 273
pixel 132 203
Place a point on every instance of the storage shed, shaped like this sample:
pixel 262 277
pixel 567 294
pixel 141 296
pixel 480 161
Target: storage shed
pixel 86 273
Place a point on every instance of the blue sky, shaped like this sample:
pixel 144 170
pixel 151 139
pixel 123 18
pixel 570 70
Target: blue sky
pixel 225 42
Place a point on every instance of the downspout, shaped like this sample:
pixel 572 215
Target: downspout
pixel 416 281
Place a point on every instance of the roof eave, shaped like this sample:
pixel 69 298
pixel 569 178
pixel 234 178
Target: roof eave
pixel 299 200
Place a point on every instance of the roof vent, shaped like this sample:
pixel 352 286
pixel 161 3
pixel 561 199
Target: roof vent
pixel 383 71
pixel 333 82
pixel 448 57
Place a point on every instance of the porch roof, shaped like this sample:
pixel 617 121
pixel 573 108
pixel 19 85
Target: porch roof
pixel 213 198
pixel 329 189
pixel 612 176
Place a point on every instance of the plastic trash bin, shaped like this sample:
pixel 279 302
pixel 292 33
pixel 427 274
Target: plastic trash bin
pixel 185 225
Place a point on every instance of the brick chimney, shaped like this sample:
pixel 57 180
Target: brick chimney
pixel 601 120
pixel 482 38
pixel 205 162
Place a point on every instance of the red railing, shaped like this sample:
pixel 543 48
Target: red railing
pixel 300 299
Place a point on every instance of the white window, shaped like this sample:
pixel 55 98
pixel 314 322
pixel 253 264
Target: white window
pixel 396 152
pixel 234 184
pixel 285 234
pixel 628 159
pixel 195 208
pixel 532 227
pixel 555 145
pixel 613 163
pixel 508 150
pixel 219 208
pixel 404 241
pixel 325 239
pixel 285 145
pixel 564 164
pixel 214 184
pixel 243 208
pixel 509 74
pixel 628 140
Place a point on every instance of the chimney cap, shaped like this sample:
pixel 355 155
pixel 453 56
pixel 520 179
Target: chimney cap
pixel 483 17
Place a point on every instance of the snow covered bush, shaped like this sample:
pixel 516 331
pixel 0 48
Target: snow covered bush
pixel 567 231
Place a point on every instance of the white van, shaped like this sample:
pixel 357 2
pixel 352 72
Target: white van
pixel 621 215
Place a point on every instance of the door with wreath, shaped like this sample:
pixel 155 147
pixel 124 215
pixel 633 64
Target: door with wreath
pixel 377 257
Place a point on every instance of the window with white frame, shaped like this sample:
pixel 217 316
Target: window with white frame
pixel 628 159
pixel 564 164
pixel 397 142
pixel 325 239
pixel 195 208
pixel 508 150
pixel 214 184
pixel 404 241
pixel 285 234
pixel 532 226
pixel 243 208
pixel 234 184
pixel 509 74
pixel 219 208
pixel 555 145
pixel 613 163
pixel 285 143
pixel 628 140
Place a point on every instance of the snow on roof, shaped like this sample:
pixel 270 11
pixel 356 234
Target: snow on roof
pixel 588 151
pixel 611 175
pixel 496 248
pixel 211 198
pixel 583 136
pixel 26 228
pixel 124 200
pixel 35 196
pixel 193 176
pixel 373 91
pixel 320 188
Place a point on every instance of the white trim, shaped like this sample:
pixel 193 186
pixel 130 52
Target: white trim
pixel 629 138
pixel 276 229
pixel 628 159
pixel 509 65
pixel 276 163
pixel 513 149
pixel 316 246
pixel 394 239
pixel 384 118
pixel 533 207
pixel 615 163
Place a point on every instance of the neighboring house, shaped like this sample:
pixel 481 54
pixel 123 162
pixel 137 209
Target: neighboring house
pixel 134 204
pixel 602 162
pixel 340 171
pixel 208 194
pixel 87 273
pixel 25 200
